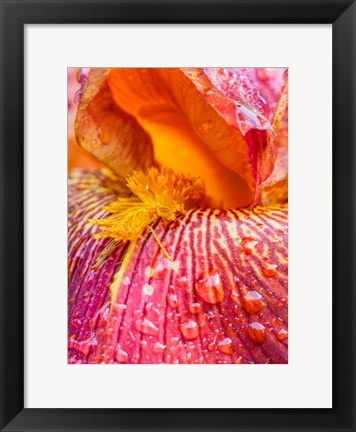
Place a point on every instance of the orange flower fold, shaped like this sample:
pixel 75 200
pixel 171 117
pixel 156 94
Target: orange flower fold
pixel 214 123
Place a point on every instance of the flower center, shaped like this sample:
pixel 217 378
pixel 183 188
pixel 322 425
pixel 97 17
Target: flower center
pixel 156 193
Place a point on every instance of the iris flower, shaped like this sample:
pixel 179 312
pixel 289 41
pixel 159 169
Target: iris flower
pixel 178 246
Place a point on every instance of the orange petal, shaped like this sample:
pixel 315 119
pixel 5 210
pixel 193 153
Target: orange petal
pixel 77 157
pixel 106 131
pixel 251 101
pixel 195 128
pixel 187 134
pixel 274 190
pixel 222 299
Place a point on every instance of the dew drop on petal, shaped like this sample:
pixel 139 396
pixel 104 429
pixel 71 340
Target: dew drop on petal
pixel 148 289
pixel 248 244
pixel 182 281
pixel 126 281
pixel 77 322
pixel 269 269
pixel 282 302
pixel 164 267
pixel 144 345
pixel 174 340
pixel 175 265
pixel 282 335
pixel 210 288
pixel 190 329
pixel 172 298
pixel 253 302
pixel 158 348
pixel 225 346
pixel 121 356
pixel 195 308
pixel 234 296
pixel 146 327
pixel 257 333
pixel 212 345
pixel 149 272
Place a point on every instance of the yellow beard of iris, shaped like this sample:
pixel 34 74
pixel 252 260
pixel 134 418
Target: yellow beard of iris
pixel 157 193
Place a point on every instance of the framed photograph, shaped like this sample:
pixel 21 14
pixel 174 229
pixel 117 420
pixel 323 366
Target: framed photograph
pixel 177 230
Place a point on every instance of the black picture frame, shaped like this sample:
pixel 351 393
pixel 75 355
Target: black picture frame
pixel 14 15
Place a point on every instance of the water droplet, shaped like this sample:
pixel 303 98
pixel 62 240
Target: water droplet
pixel 149 272
pixel 121 356
pixel 248 244
pixel 144 344
pixel 100 317
pixel 257 333
pixel 175 265
pixel 182 281
pixel 163 267
pixel 238 360
pixel 172 297
pixel 282 302
pixel 225 346
pixel 103 136
pixel 282 335
pixel 158 348
pixel 212 344
pixel 253 302
pixel 210 289
pixel 77 322
pixel 269 269
pixel 190 329
pixel 195 308
pixel 146 327
pixel 126 281
pixel 119 307
pixel 174 340
pixel 234 296
pixel 148 289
